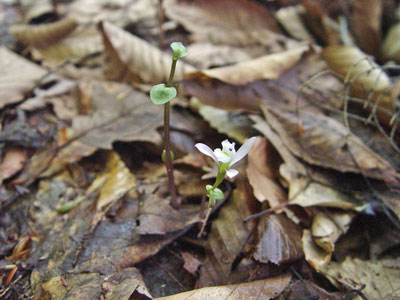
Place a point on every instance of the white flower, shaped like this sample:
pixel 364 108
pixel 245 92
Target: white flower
pixel 228 155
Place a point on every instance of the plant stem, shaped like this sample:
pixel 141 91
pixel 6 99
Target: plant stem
pixel 167 145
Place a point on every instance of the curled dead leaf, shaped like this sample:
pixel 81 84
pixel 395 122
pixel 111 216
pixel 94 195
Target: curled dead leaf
pixel 262 166
pixel 42 36
pixel 365 79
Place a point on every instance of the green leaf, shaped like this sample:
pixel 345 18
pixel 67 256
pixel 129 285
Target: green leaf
pixel 179 50
pixel 160 94
pixel 218 194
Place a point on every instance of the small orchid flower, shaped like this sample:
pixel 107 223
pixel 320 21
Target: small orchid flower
pixel 227 156
pixel 225 159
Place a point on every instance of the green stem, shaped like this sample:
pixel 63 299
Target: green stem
pixel 219 179
pixel 167 145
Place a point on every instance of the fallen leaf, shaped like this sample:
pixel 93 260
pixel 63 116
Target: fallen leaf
pixel 279 240
pixel 224 96
pixel 131 59
pixel 374 279
pixel 364 78
pixel 263 289
pixel 80 47
pixel 221 22
pixel 266 67
pixel 326 142
pixel 118 113
pixel 157 216
pixel 303 190
pixel 391 44
pixel 305 289
pixel 290 18
pixel 205 54
pixel 191 262
pixel 236 125
pixel 15 83
pixel 315 255
pixel 229 235
pixel 13 161
pixel 120 12
pixel 262 171
pixel 42 36
pixel 328 227
pixel 123 284
pixel 366 25
pixel 113 183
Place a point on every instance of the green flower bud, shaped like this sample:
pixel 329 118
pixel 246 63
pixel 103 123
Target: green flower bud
pixel 179 50
pixel 214 193
pixel 160 94
pixel 164 155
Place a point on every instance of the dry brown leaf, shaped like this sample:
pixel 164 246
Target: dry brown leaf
pixel 328 227
pixel 36 8
pixel 84 42
pixel 375 280
pixel 42 36
pixel 391 44
pixel 315 255
pixel 290 18
pixel 266 67
pixel 305 289
pixel 229 235
pixel 191 263
pixel 18 76
pixel 205 54
pixel 366 79
pixel 113 183
pixel 237 22
pixel 279 240
pixel 302 190
pixel 157 216
pixel 122 284
pixel 131 59
pixel 318 21
pixel 263 289
pixel 262 171
pixel 366 25
pixel 118 113
pixel 224 96
pixel 236 125
pixel 119 12
pixel 13 161
pixel 326 142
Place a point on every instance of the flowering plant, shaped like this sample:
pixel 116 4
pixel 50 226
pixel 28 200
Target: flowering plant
pixel 225 159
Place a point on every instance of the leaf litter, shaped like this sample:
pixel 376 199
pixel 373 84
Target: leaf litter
pixel 84 207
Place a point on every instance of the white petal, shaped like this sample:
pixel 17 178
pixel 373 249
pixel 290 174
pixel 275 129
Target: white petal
pixel 242 152
pixel 203 148
pixel 222 156
pixel 228 147
pixel 232 173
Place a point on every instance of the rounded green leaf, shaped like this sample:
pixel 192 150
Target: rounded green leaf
pixel 218 194
pixel 160 94
pixel 179 50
